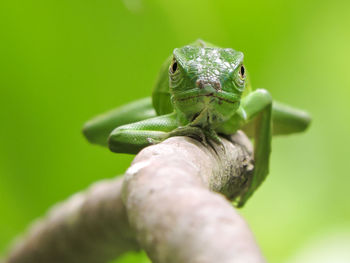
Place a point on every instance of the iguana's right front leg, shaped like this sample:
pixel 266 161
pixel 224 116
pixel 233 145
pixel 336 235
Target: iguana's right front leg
pixel 131 138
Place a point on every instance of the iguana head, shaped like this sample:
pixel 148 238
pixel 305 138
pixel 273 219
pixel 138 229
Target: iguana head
pixel 206 83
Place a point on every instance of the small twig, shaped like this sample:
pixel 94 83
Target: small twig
pixel 172 211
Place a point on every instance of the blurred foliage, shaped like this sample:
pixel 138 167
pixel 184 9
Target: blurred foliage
pixel 63 61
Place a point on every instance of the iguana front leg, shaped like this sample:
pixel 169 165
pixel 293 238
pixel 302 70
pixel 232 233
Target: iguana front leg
pixel 257 108
pixel 131 138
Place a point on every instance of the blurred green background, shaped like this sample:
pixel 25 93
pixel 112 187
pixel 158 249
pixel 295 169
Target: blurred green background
pixel 64 61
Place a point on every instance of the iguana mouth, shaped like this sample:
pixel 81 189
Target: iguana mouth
pixel 206 95
pixel 222 95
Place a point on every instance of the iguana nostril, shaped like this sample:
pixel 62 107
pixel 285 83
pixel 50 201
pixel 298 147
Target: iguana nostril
pixel 202 83
pixel 217 85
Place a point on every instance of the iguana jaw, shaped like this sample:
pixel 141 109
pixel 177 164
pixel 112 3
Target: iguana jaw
pixel 195 93
pixel 208 95
pixel 207 108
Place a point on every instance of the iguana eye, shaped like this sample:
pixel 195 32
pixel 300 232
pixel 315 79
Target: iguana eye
pixel 173 66
pixel 242 72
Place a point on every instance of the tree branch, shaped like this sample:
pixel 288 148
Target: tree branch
pixel 172 211
pixel 89 227
pixel 176 218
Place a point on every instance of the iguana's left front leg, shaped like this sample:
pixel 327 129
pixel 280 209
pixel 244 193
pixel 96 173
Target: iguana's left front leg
pixel 257 108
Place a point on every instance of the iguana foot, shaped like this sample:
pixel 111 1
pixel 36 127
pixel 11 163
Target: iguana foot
pixel 213 136
pixel 191 131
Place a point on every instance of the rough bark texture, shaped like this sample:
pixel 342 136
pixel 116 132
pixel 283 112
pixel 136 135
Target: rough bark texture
pixel 176 218
pixel 169 201
pixel 90 227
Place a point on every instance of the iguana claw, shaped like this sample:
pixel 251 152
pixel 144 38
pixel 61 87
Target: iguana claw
pixel 191 131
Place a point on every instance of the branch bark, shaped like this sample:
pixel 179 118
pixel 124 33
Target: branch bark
pixel 167 206
pixel 89 227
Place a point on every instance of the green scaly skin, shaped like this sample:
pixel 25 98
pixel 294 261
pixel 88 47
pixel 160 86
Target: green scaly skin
pixel 202 91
